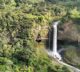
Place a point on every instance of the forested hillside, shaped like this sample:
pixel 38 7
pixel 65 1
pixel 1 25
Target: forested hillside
pixel 20 23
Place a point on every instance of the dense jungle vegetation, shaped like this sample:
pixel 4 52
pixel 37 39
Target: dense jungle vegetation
pixel 20 23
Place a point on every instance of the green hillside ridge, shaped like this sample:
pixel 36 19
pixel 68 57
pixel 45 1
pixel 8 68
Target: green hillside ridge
pixel 20 23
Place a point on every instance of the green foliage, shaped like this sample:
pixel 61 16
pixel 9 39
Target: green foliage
pixel 71 55
pixel 19 20
pixel 34 59
pixel 5 61
pixel 75 13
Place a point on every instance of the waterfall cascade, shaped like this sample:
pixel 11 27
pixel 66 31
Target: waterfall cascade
pixel 54 53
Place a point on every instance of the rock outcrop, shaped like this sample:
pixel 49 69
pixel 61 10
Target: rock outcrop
pixel 68 31
pixel 69 39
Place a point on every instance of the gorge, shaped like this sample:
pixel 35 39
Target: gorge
pixel 54 53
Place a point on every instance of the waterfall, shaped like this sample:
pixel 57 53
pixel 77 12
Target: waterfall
pixel 55 53
pixel 55 36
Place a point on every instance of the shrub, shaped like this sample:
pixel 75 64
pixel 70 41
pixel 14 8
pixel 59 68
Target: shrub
pixel 35 59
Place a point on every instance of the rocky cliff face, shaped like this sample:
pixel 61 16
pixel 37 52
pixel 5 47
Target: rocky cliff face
pixel 69 39
pixel 68 31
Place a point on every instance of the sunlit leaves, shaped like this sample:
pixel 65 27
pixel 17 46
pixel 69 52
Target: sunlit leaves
pixel 75 13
